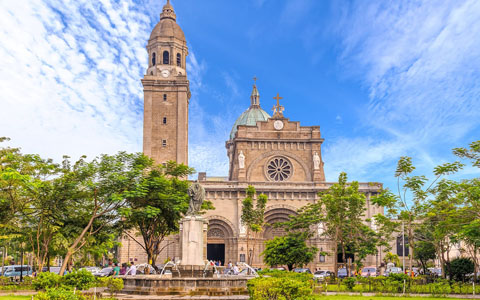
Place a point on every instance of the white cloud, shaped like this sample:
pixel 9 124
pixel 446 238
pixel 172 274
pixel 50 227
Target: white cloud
pixel 421 64
pixel 70 76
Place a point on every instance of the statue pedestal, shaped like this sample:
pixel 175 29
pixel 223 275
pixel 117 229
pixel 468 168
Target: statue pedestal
pixel 318 175
pixel 193 233
pixel 242 175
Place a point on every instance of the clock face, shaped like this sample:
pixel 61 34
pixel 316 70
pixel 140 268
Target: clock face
pixel 278 125
pixel 165 73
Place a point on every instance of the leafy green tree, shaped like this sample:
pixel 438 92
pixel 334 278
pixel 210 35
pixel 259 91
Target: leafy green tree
pixel 460 267
pixel 469 231
pixel 290 250
pixel 97 190
pixel 424 251
pixel 253 218
pixel 340 211
pixel 408 205
pixel 391 258
pixel 156 205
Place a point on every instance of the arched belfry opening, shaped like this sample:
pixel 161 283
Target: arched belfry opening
pixel 166 58
pixel 179 60
pixel 154 59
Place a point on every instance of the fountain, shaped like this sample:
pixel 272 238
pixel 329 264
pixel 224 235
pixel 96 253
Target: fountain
pixel 192 276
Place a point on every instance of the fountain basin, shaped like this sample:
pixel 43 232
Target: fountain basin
pixel 158 285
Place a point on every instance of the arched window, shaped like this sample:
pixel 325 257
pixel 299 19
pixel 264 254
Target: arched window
pixel 164 97
pixel 166 58
pixel 179 60
pixel 164 120
pixel 154 59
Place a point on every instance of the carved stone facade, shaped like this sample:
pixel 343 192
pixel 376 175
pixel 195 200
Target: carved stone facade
pixel 279 157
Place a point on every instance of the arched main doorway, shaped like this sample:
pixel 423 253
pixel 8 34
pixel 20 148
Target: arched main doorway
pixel 221 240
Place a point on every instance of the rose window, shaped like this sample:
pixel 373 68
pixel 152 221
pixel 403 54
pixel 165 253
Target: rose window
pixel 279 169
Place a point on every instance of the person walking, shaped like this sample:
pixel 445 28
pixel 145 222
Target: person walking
pixel 116 270
pixel 236 270
pixel 133 270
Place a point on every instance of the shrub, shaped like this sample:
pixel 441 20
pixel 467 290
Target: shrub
pixel 460 267
pixel 281 286
pixel 81 280
pixel 5 280
pixel 350 283
pixel 58 294
pixel 114 285
pixel 46 280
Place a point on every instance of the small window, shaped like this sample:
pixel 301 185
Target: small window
pixel 179 59
pixel 321 258
pixel 242 257
pixel 164 143
pixel 164 120
pixel 154 59
pixel 166 58
pixel 164 97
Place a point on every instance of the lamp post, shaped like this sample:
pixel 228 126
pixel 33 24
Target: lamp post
pixel 403 245
pixel 4 250
pixel 21 262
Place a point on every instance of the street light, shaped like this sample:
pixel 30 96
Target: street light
pixel 21 261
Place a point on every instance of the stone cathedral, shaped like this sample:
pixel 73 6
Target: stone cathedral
pixel 277 156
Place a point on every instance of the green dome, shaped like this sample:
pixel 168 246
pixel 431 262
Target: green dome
pixel 250 117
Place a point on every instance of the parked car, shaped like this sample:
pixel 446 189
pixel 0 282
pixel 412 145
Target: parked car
pixel 104 272
pixel 302 270
pixel 278 269
pixel 55 270
pixel 16 270
pixel 342 273
pixel 437 272
pixel 393 270
pixel 369 272
pixel 92 270
pixel 321 275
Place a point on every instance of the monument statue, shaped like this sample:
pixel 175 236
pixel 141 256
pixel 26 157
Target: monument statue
pixel 316 161
pixel 197 195
pixel 241 160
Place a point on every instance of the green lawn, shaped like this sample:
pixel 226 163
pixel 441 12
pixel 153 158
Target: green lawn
pixel 345 297
pixel 15 297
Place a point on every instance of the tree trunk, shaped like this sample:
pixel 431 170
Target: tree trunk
pixel 344 258
pixel 71 249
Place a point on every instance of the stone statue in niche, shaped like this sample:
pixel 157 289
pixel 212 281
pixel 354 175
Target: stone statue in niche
pixel 316 161
pixel 196 192
pixel 242 227
pixel 241 160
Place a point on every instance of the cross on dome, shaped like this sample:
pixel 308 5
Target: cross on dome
pixel 278 109
pixel 255 96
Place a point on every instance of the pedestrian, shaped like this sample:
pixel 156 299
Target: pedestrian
pixel 124 268
pixel 236 270
pixel 116 270
pixel 133 270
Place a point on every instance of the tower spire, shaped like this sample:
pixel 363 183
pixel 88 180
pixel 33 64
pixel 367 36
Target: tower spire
pixel 168 12
pixel 255 96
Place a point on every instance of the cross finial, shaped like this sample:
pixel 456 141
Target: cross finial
pixel 278 109
pixel 255 79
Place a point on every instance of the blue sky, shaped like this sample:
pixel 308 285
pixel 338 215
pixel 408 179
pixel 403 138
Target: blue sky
pixel 382 78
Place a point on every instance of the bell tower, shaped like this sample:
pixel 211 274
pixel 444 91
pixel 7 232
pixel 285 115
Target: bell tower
pixel 166 92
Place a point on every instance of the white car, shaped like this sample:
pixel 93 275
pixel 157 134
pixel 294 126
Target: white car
pixel 321 275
